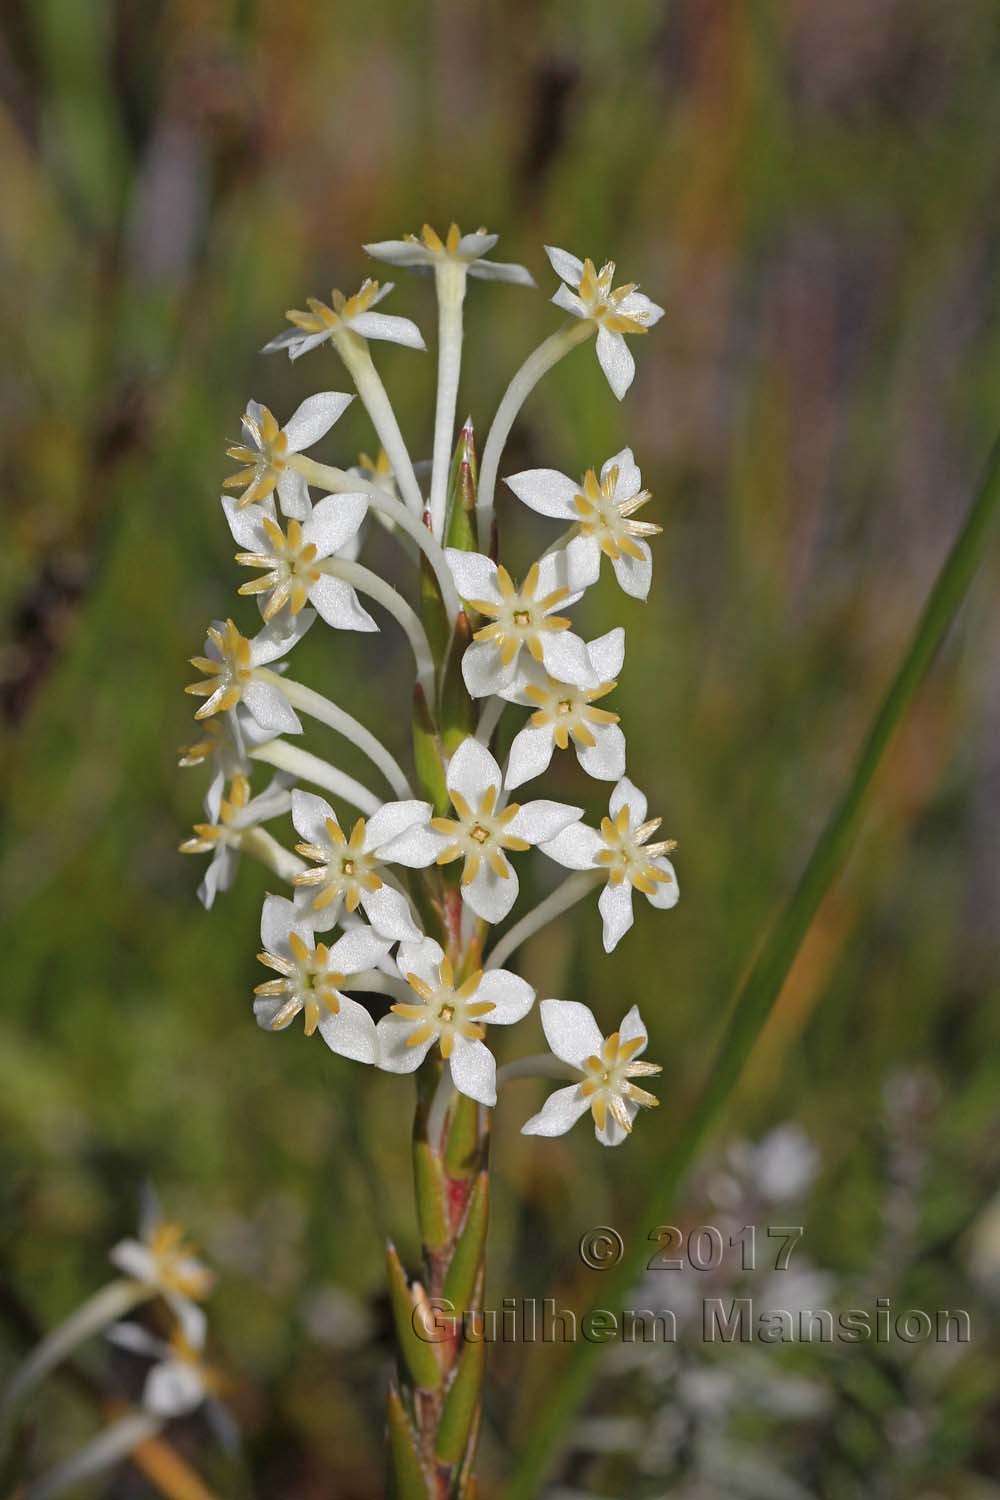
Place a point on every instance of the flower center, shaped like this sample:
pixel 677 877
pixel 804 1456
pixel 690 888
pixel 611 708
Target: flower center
pixel 444 1012
pixel 628 856
pixel 345 868
pixel 520 617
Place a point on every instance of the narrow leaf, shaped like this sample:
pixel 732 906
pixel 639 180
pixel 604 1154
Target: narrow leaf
pixel 432 1196
pixel 427 756
pixel 418 1353
pixel 467 1258
pixel 460 515
pixel 407 1475
pixel 461 1148
pixel 461 1406
pixel 458 711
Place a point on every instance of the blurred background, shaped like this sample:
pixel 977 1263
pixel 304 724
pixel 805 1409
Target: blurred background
pixel 812 191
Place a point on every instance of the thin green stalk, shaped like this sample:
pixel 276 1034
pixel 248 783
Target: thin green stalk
pixel 763 984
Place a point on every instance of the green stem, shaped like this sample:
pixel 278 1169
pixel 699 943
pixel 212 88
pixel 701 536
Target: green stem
pixel 764 982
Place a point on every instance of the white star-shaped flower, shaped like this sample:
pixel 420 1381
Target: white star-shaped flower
pixel 481 833
pixel 428 250
pixel 311 977
pixel 617 311
pixel 231 661
pixel 268 449
pixel 607 1067
pixel 180 1380
pixel 292 560
pixel 622 851
pixel 601 511
pixel 223 835
pixel 349 872
pixel 161 1260
pixel 454 1016
pixel 564 713
pixel 518 617
pixel 345 314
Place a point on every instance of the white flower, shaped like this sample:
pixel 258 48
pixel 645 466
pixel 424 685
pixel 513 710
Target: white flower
pixel 231 662
pixel 293 559
pixel 161 1260
pixel 588 293
pixel 348 871
pixel 564 713
pixel 430 250
pixel 311 977
pixel 223 745
pixel 622 850
pixel 180 1380
pixel 607 1067
pixel 481 833
pixel 223 835
pixel 268 449
pixel 602 510
pixel 518 617
pixel 346 314
pixel 454 1016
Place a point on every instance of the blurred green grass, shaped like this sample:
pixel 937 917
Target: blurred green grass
pixel 812 193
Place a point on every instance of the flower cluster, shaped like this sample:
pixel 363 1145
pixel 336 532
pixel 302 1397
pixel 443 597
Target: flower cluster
pixel 395 897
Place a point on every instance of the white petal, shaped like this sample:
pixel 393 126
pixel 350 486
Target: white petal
pixel 474 1070
pixel 399 253
pixel 277 918
pixel 629 479
pixel 558 1114
pixel 566 266
pixel 502 270
pixel 268 644
pixel 472 771
pixel 351 1032
pixel 339 605
pixel 219 876
pixel 552 575
pixel 615 358
pixel 359 949
pixel 667 892
pixel 382 326
pixel 173 1388
pixel 638 305
pixel 417 847
pixel 530 755
pixel 137 1340
pixel 605 758
pixel 569 302
pixel 134 1259
pixel 251 424
pixel 577 847
pixel 394 818
pixel 613 1134
pixel 389 912
pixel 316 918
pixel 483 672
pixel 293 494
pixel 490 897
pixel 422 958
pixel 632 1027
pixel 615 905
pixel 607 654
pixel 627 794
pixel 542 820
pixel 392 1054
pixel 565 657
pixel 571 1031
pixel 546 491
pixel 266 1009
pixel 475 575
pixel 189 1315
pixel 245 523
pixel 472 246
pixel 213 796
pixel 580 563
pixel 334 522
pixel 635 576
pixel 511 996
pixel 309 815
pixel 271 708
pixel 313 418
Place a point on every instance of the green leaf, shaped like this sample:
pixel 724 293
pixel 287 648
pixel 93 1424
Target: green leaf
pixel 432 610
pixel 461 1406
pixel 463 478
pixel 432 1196
pixel 767 975
pixel 461 1147
pixel 467 1258
pixel 407 1474
pixel 418 1353
pixel 458 710
pixel 427 756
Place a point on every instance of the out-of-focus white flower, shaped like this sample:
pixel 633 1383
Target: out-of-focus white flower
pixel 224 741
pixel 222 837
pixel 180 1380
pixel 480 834
pixel 428 250
pixel 622 850
pixel 311 977
pixel 268 448
pixel 565 713
pixel 601 512
pixel 519 617
pixel 607 1066
pixel 293 560
pixel 617 311
pixel 780 1167
pixel 231 661
pixel 345 314
pixel 161 1260
pixel 454 1016
pixel 349 871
